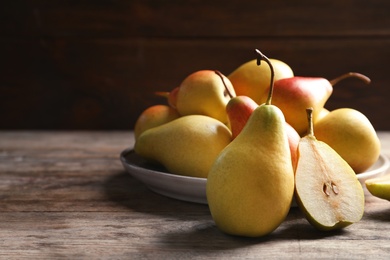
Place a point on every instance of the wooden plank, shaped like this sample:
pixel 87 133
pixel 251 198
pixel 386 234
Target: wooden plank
pixel 159 18
pixel 105 84
pixel 86 213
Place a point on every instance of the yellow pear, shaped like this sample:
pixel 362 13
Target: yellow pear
pixel 351 135
pixel 205 92
pixel 250 186
pixel 326 187
pixel 154 116
pixel 252 81
pixel 186 146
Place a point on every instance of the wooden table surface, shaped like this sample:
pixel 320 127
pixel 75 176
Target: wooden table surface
pixel 66 195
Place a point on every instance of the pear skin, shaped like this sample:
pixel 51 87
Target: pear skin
pixel 352 136
pixel 294 95
pixel 326 187
pixel 186 146
pixel 250 80
pixel 205 92
pixel 153 116
pixel 240 108
pixel 379 187
pixel 251 183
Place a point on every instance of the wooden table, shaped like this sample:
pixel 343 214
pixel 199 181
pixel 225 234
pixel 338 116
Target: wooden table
pixel 66 195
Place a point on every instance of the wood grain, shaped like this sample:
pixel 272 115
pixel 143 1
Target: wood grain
pixel 65 195
pixel 98 70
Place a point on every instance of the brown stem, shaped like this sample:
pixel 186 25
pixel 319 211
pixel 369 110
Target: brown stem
pixel 309 112
pixel 162 93
pixel 224 83
pixel 362 77
pixel 261 56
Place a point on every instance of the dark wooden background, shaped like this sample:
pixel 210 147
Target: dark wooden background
pixel 94 64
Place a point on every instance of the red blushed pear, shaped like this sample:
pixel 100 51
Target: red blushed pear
pixel 294 95
pixel 240 108
pixel 154 116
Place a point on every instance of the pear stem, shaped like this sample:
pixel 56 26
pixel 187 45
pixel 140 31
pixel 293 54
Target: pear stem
pixel 261 56
pixel 224 83
pixel 362 77
pixel 309 112
pixel 162 93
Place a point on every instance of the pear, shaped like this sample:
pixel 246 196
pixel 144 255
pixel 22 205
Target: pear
pixel 171 96
pixel 323 112
pixel 205 92
pixel 240 108
pixel 293 95
pixel 251 183
pixel 326 187
pixel 250 80
pixel 154 116
pixel 379 186
pixel 186 146
pixel 351 134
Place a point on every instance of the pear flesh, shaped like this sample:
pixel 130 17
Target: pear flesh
pixel 251 183
pixel 327 189
pixel 186 146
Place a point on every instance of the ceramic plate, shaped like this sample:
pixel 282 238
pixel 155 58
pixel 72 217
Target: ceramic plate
pixel 194 189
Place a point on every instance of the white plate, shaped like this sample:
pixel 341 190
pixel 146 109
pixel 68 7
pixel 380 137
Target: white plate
pixel 194 189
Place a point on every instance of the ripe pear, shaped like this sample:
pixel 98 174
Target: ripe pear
pixel 254 81
pixel 205 92
pixel 251 183
pixel 186 146
pixel 154 116
pixel 351 134
pixel 293 95
pixel 240 108
pixel 379 187
pixel 171 96
pixel 326 187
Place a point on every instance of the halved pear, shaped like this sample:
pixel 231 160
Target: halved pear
pixel 379 187
pixel 326 187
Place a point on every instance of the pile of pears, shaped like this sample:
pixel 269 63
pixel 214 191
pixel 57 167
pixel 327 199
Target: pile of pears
pixel 262 137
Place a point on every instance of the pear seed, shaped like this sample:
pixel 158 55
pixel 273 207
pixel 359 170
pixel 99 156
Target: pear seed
pixel 335 188
pixel 325 189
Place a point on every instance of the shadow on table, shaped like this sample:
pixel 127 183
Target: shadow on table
pixel 128 192
pixel 206 237
pixel 195 229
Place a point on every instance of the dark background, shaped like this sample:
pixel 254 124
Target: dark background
pixel 94 64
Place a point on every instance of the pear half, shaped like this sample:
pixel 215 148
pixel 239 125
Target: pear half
pixel 326 187
pixel 379 187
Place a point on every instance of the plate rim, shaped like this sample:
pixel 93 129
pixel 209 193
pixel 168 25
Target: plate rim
pixel 201 198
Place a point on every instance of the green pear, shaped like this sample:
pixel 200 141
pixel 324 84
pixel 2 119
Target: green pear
pixel 186 146
pixel 326 187
pixel 351 135
pixel 379 186
pixel 251 183
pixel 205 92
pixel 252 81
pixel 154 116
